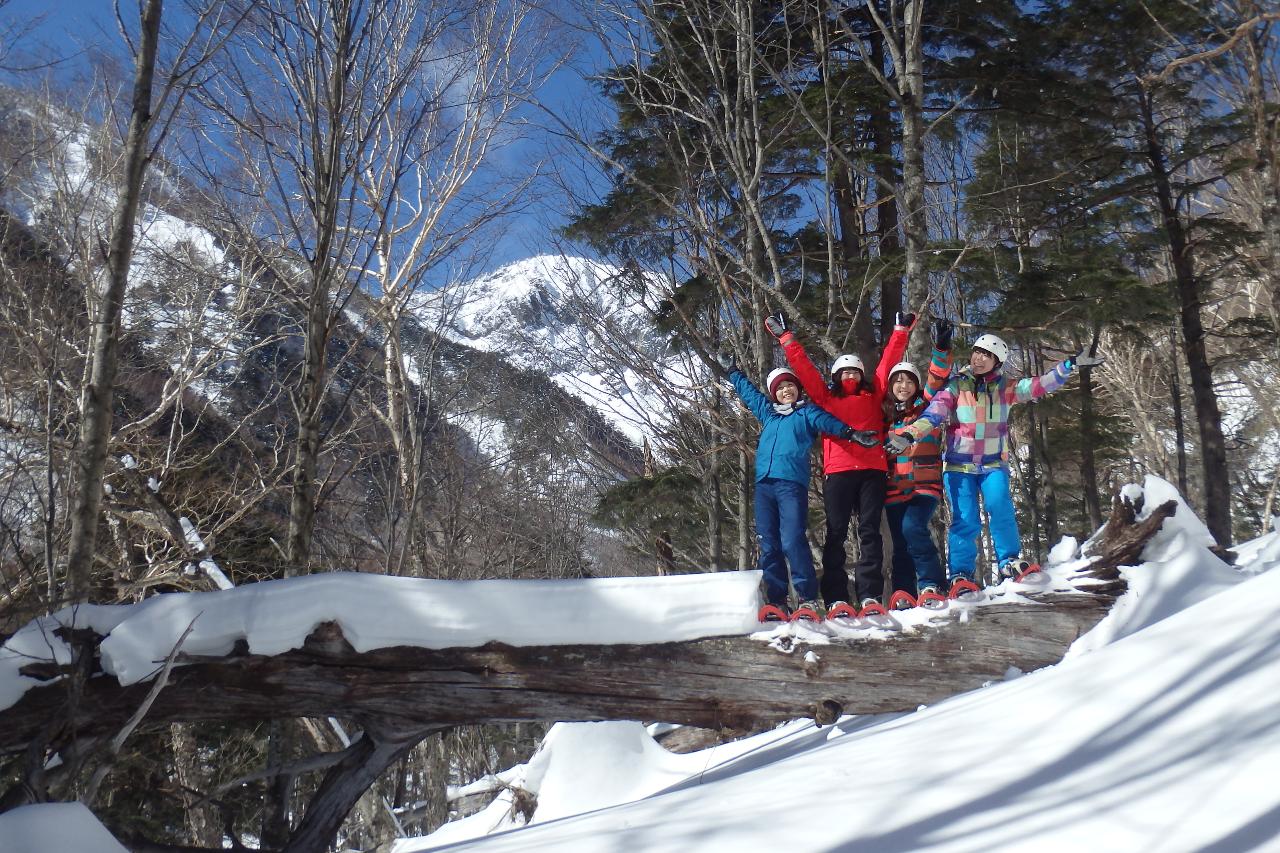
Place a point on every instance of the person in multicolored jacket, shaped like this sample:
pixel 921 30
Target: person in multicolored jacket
pixel 789 427
pixel 915 474
pixel 977 402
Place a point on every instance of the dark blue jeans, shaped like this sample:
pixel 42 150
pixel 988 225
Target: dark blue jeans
pixel 915 557
pixel 782 515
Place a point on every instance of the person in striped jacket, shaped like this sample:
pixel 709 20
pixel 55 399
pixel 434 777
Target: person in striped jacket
pixel 975 405
pixel 915 474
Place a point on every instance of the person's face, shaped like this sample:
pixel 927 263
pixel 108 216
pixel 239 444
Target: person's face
pixel 904 386
pixel 786 392
pixel 981 361
pixel 850 374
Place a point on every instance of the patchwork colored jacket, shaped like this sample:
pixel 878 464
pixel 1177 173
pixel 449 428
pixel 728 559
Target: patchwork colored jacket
pixel 979 414
pixel 785 440
pixel 862 410
pixel 918 470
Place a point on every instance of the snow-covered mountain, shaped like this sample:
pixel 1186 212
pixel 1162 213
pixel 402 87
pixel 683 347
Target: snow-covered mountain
pixel 580 322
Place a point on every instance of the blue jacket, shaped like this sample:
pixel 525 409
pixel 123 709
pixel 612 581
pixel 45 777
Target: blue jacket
pixel 783 450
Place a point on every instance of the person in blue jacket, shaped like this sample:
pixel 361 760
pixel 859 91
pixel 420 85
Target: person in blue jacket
pixel 789 427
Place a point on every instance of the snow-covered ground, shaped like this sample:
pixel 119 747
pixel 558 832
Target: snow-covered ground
pixel 1159 731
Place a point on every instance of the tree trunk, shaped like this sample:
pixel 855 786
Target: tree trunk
pixel 1179 425
pixel 1088 466
pixel 346 782
pixel 202 818
pixel 1213 453
pixel 97 400
pixel 850 220
pixel 915 223
pixel 735 681
pixel 1265 152
pixel 1041 439
pixel 1033 482
pixel 888 183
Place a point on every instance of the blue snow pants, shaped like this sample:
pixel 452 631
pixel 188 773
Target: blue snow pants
pixel 782 515
pixel 915 557
pixel 963 490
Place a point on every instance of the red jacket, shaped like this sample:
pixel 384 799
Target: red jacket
pixel 861 410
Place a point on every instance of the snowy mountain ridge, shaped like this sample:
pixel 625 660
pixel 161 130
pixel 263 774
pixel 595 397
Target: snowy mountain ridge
pixel 578 321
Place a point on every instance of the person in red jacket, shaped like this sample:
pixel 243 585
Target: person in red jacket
pixel 855 476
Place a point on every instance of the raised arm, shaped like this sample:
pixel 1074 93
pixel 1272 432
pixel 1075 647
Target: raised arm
pixel 940 360
pixel 894 350
pixel 755 401
pixel 1033 388
pixel 810 377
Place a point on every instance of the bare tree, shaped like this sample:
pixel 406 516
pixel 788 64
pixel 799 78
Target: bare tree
pixel 150 117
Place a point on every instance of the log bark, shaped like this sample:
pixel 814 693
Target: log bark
pixel 738 682
pixel 724 682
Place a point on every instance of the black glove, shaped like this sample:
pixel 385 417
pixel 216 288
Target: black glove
pixel 865 437
pixel 1087 359
pixel 942 329
pixel 898 442
pixel 904 318
pixel 776 324
pixel 726 362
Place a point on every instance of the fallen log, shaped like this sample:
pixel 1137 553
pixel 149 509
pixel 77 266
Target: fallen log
pixel 724 682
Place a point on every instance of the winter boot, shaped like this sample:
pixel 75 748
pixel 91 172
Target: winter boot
pixel 774 613
pixel 930 597
pixel 901 600
pixel 962 586
pixel 841 610
pixel 808 611
pixel 1013 567
pixel 872 607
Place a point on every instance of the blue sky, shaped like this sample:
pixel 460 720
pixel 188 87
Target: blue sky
pixel 71 29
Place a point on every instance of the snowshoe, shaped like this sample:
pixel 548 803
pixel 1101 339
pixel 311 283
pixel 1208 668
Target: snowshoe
pixel 1013 568
pixel 842 610
pixel 1029 573
pixel 773 613
pixel 808 611
pixel 901 600
pixel 963 589
pixel 931 598
pixel 871 607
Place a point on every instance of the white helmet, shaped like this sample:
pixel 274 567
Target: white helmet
pixel 779 375
pixel 847 360
pixel 905 367
pixel 994 345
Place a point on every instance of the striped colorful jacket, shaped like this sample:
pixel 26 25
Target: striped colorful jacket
pixel 918 470
pixel 979 413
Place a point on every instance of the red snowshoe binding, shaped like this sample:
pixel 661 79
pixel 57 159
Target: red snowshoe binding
pixel 871 607
pixel 1030 571
pixel 842 610
pixel 901 600
pixel 808 611
pixel 773 613
pixel 930 597
pixel 962 587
